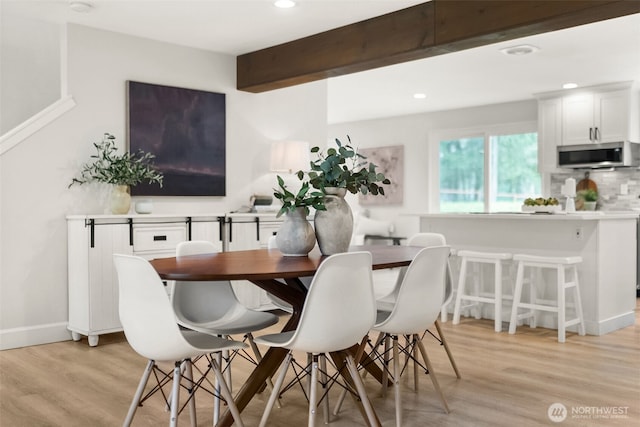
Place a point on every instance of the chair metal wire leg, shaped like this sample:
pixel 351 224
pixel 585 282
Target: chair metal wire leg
pixel 276 390
pixel 175 395
pixel 136 397
pixel 446 348
pixel 432 374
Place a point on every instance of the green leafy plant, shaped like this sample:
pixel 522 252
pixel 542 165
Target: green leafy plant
pixel 119 169
pixel 344 167
pixel 304 198
pixel 588 195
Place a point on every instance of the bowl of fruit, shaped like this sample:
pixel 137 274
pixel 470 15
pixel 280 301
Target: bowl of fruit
pixel 541 205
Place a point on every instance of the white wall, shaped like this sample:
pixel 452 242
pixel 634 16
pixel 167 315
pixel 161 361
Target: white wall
pixel 29 70
pixel 35 174
pixel 416 132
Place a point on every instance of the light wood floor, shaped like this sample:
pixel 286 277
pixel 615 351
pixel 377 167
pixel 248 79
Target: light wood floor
pixel 508 380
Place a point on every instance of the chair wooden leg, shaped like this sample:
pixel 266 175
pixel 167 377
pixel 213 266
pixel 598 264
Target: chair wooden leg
pixel 136 397
pixel 385 371
pixel 325 388
pixel 175 396
pixel 396 381
pixel 226 393
pixel 216 387
pixel 353 371
pixel 416 371
pixel 356 359
pixel 313 391
pixel 432 374
pixel 276 390
pixel 258 355
pixel 446 348
pixel 188 376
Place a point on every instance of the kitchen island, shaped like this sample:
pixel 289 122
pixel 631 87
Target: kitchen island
pixel 607 243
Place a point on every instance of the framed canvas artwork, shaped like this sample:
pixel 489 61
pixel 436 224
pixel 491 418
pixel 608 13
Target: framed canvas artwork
pixel 390 161
pixel 186 130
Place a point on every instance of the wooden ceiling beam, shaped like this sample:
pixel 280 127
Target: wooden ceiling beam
pixel 417 32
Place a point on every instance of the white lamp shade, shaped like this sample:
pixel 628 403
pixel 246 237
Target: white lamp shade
pixel 289 156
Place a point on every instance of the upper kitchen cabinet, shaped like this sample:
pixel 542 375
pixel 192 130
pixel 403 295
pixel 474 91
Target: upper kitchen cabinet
pixel 598 114
pixel 549 133
pixel 596 117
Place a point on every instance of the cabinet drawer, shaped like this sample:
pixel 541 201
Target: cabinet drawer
pixel 156 238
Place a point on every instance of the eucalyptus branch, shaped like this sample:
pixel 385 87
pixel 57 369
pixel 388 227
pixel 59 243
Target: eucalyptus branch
pixel 111 168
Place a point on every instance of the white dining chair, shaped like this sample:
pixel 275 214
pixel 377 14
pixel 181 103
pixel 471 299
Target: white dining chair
pixel 337 314
pixel 387 302
pixel 150 327
pixel 417 306
pixel 212 308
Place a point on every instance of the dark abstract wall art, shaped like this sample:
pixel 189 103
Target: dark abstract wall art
pixel 186 130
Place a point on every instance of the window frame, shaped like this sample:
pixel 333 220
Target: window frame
pixel 485 132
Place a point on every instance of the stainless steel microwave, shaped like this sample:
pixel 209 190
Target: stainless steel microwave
pixel 607 155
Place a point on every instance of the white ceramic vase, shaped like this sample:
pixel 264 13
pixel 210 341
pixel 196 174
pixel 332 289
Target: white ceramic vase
pixel 295 236
pixel 335 225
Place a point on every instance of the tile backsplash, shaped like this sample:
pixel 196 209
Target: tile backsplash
pixel 617 189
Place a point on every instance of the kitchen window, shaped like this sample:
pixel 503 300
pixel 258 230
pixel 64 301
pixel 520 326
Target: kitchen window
pixel 488 172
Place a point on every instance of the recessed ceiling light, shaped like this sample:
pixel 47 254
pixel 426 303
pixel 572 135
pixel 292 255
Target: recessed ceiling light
pixel 80 6
pixel 523 49
pixel 569 86
pixel 284 4
pixel 419 95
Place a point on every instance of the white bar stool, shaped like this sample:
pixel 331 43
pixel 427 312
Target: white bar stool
pixel 560 264
pixel 494 258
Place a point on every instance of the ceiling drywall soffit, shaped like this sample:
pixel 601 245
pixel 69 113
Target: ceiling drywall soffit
pixel 421 31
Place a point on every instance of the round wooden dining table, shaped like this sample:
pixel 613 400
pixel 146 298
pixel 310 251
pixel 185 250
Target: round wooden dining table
pixel 279 275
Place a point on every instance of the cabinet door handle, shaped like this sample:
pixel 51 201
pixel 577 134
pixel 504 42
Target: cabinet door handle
pixel 597 134
pixel 590 134
pixel 159 238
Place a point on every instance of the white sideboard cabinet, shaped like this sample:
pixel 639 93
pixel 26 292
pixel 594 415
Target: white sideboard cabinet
pixel 92 241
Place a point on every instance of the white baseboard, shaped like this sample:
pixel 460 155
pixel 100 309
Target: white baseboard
pixel 34 335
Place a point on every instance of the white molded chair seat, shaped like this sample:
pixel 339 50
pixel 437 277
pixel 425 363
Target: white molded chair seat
pixel 151 329
pixel 212 308
pixel 337 314
pixel 560 264
pixel 477 257
pixel 417 307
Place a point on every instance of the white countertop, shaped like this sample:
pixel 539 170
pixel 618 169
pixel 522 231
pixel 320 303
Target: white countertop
pixel 562 216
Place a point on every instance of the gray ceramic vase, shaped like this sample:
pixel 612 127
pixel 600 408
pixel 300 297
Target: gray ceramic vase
pixel 335 225
pixel 295 236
